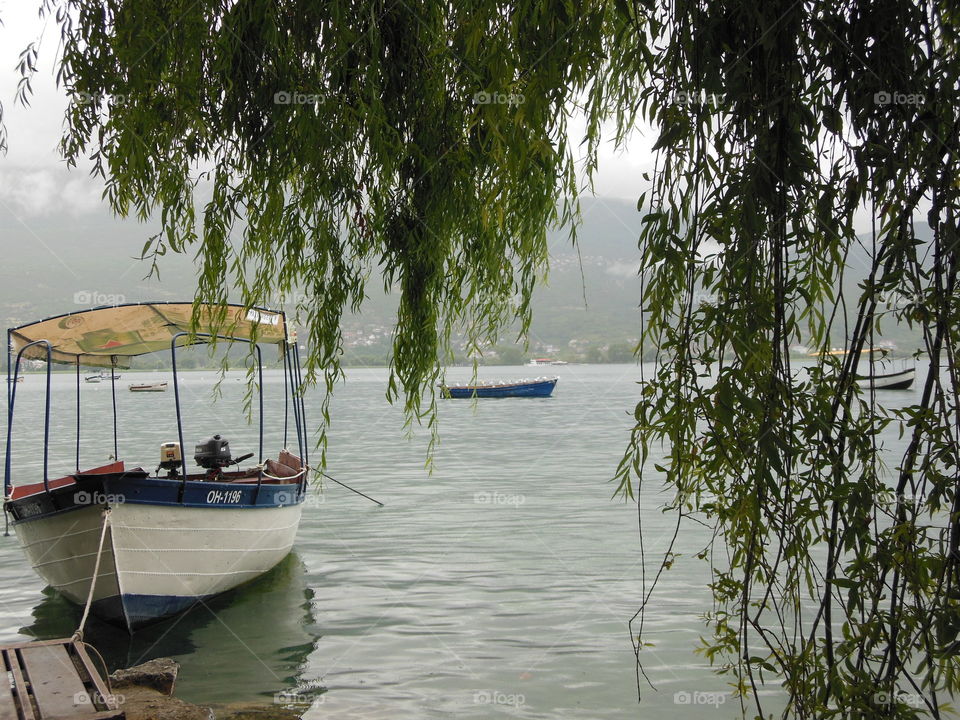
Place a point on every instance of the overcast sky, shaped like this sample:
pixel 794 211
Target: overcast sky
pixel 34 179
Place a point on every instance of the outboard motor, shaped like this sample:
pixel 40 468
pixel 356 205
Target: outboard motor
pixel 213 454
pixel 170 459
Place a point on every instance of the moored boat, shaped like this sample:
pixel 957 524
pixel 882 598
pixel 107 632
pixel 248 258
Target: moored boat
pixel 876 369
pixel 145 545
pixel 535 387
pixel 148 387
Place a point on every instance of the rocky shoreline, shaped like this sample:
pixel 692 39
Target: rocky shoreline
pixel 146 692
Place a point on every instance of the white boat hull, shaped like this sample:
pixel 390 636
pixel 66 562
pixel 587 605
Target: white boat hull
pixel 888 381
pixel 157 560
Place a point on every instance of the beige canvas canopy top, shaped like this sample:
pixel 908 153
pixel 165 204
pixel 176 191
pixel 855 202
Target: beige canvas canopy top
pixel 110 336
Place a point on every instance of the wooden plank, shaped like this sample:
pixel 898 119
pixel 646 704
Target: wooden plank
pixel 34 643
pixel 19 684
pixel 8 705
pixel 94 676
pixel 55 683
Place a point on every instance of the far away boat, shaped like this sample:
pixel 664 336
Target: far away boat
pixel 877 370
pixel 152 544
pixel 100 377
pixel 148 387
pixel 536 387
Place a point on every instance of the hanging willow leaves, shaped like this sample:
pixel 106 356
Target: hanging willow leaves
pixel 301 148
pixel 833 576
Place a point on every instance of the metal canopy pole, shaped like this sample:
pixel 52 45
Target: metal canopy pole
pixel 260 386
pixel 286 396
pixel 12 395
pixel 113 393
pixel 11 382
pixel 176 401
pixel 46 422
pixel 9 347
pixel 256 493
pixel 296 407
pixel 303 407
pixel 78 413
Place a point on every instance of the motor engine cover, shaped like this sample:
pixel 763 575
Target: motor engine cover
pixel 213 453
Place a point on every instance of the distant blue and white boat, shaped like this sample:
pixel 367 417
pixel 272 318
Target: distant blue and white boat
pixel 143 545
pixel 536 387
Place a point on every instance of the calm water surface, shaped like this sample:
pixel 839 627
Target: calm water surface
pixel 500 585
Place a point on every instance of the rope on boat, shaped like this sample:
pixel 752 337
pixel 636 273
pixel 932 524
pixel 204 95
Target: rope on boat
pixel 96 572
pixel 273 477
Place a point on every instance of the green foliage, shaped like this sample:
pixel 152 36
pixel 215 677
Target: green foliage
pixel 427 139
pixel 778 121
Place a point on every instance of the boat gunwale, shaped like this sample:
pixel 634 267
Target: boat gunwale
pixel 159 488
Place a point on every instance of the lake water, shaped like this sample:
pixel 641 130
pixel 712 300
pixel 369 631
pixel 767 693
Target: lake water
pixel 501 584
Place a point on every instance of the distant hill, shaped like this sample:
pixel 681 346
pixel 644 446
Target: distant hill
pixel 57 263
pixel 60 262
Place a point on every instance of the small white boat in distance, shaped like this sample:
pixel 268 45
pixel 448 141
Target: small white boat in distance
pixel 889 374
pixel 538 362
pixel 877 370
pixel 149 387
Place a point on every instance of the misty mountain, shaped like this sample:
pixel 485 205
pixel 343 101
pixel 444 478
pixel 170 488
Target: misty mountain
pixel 60 262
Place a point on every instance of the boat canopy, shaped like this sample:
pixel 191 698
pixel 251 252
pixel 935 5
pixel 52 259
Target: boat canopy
pixel 110 336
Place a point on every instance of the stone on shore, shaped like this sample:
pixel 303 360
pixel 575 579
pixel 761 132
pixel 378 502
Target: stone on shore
pixel 145 692
pixel 159 674
pixel 145 703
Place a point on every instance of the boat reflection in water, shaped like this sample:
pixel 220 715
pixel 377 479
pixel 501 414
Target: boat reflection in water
pixel 244 646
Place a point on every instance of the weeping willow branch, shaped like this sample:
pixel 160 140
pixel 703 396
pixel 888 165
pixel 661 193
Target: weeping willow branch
pixel 300 149
pixel 809 111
